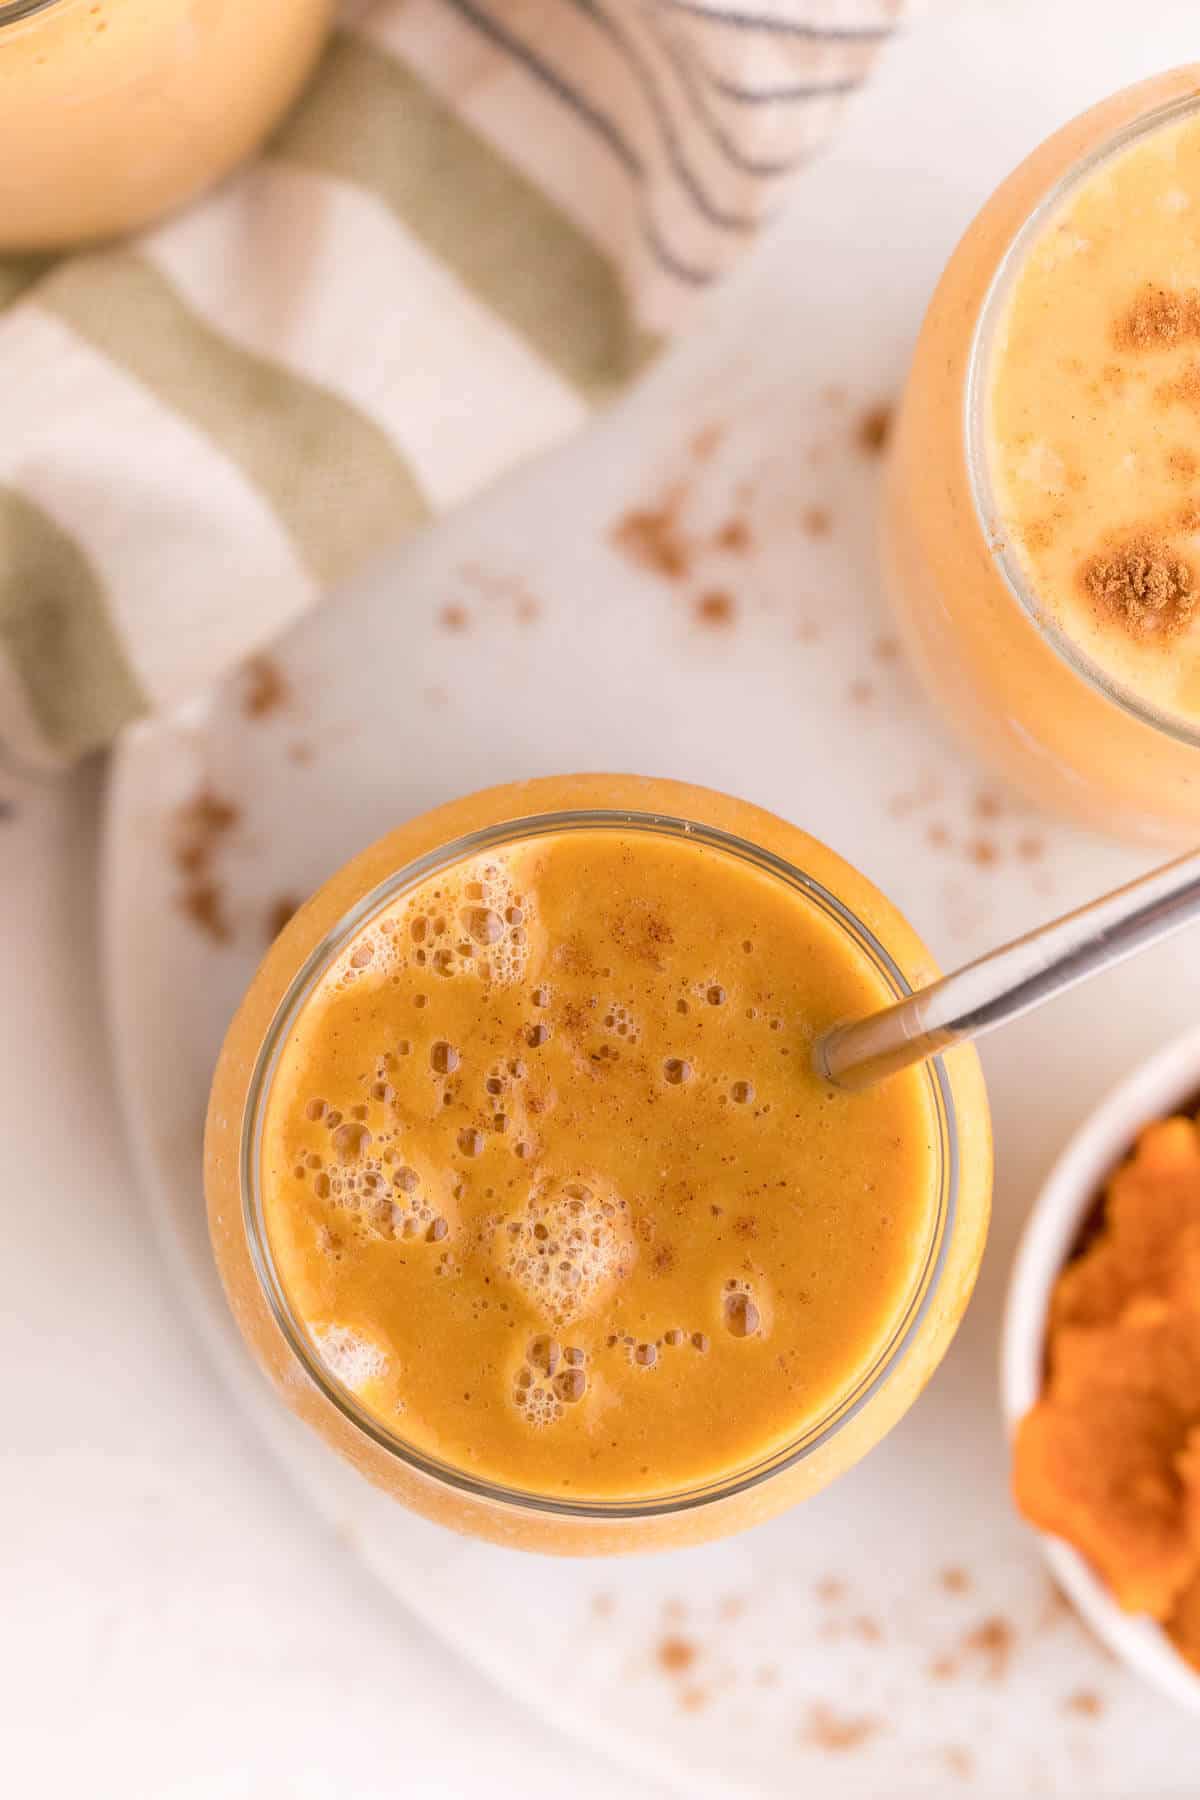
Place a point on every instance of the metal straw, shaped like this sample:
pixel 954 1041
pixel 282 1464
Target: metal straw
pixel 1012 980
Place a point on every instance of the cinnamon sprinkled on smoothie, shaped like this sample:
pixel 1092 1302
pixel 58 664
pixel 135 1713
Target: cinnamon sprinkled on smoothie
pixel 1145 585
pixel 1185 388
pixel 1158 318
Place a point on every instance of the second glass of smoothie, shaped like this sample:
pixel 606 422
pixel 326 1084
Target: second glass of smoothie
pixel 526 1193
pixel 1042 519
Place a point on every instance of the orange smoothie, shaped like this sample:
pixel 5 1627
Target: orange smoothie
pixel 114 111
pixel 552 1198
pixel 1043 516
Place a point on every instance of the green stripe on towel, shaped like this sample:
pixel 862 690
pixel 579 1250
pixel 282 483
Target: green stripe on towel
pixel 57 634
pixel 372 122
pixel 337 484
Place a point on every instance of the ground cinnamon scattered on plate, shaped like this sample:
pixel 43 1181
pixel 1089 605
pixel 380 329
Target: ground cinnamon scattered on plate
pixel 959 1761
pixel 706 440
pixel 1030 847
pixel 860 693
pixel 873 429
pixel 266 690
pixel 830 1590
pixel 734 537
pixel 602 1605
pixel 653 537
pixel 715 610
pixel 203 902
pixel 955 1581
pixel 454 618
pixel 816 521
pixel 886 649
pixel 825 1729
pixel 675 1655
pixel 992 1642
pixel 993 1639
pixel 983 853
pixel 8 812
pixel 198 829
pixel 1084 1703
pixel 279 913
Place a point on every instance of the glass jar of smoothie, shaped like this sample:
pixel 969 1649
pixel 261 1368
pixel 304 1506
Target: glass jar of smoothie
pixel 525 1191
pixel 114 111
pixel 1042 525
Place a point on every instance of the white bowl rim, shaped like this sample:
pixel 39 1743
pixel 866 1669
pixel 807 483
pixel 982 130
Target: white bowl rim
pixel 1155 1088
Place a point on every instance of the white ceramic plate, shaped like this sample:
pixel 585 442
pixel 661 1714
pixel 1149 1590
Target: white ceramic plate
pixel 896 1635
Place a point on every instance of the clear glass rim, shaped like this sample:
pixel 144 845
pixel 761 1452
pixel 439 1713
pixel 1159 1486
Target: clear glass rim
pixel 847 1407
pixel 975 419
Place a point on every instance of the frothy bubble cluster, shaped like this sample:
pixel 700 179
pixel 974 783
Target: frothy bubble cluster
pixel 473 923
pixel 622 1021
pixel 552 1376
pixel 568 1244
pixel 363 1178
pixel 351 1358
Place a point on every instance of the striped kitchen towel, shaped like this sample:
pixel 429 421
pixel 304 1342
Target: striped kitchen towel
pixel 477 225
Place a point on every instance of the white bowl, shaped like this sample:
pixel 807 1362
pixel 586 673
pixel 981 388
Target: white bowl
pixel 1157 1088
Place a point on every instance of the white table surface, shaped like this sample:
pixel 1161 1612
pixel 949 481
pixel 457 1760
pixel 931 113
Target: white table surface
pixel 173 1620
